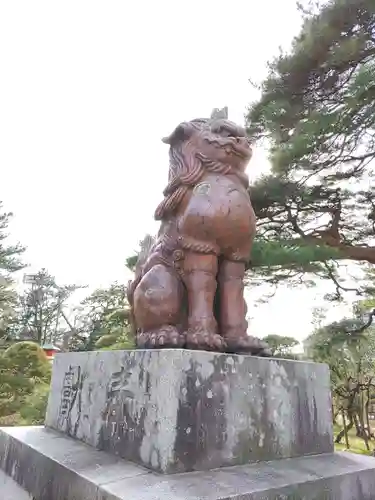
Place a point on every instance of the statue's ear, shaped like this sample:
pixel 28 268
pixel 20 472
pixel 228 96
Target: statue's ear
pixel 180 133
pixel 220 114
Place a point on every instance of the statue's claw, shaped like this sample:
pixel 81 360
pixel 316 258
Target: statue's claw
pixel 246 344
pixel 165 337
pixel 202 340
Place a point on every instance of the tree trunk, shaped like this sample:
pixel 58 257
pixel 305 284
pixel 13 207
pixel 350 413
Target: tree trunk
pixel 364 435
pixel 367 416
pixel 357 425
pixel 359 253
pixel 335 414
pixel 345 430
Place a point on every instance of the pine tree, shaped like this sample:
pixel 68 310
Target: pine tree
pixel 317 111
pixel 10 262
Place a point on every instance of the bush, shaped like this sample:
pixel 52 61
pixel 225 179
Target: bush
pixel 24 373
pixel 29 359
pixel 34 407
pixel 106 341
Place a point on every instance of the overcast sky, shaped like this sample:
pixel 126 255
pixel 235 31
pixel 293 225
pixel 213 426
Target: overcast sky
pixel 88 89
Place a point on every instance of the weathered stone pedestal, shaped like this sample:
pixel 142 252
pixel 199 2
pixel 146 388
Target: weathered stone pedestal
pixel 178 424
pixel 181 411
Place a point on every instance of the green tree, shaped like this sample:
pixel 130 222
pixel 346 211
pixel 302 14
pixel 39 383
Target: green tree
pixel 281 345
pixel 10 262
pixel 102 320
pixel 24 369
pixel 34 407
pixel 348 347
pixel 317 114
pixel 40 311
pixel 29 359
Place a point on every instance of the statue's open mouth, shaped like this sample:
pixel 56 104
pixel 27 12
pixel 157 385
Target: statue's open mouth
pixel 238 146
pixel 241 149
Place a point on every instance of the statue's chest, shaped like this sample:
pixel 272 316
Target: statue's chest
pixel 220 190
pixel 217 200
pixel 219 210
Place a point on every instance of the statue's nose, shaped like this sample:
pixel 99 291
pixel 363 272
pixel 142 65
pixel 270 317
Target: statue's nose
pixel 235 130
pixel 240 131
pixel 229 127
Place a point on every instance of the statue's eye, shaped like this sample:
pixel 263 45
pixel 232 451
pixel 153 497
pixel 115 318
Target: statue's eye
pixel 224 132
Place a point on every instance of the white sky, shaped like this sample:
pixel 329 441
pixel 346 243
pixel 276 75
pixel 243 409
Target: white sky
pixel 88 89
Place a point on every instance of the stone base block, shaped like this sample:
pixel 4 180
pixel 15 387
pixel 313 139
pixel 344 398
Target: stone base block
pixel 50 466
pixel 10 490
pixel 180 411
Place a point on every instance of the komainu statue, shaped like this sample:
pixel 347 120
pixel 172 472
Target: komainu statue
pixel 188 288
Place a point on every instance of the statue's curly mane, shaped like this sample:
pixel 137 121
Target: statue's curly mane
pixel 186 168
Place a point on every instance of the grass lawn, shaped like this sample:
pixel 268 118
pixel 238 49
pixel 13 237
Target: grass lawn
pixel 357 445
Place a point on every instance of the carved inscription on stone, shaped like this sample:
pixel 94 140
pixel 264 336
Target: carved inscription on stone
pixel 69 392
pixel 126 409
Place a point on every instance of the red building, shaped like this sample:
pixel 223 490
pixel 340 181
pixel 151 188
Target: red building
pixel 50 350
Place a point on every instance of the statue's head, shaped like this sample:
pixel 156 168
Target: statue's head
pixel 215 140
pixel 206 144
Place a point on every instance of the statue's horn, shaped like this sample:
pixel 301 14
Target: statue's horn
pixel 218 114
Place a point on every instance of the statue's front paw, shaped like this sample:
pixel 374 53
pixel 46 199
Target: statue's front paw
pixel 165 337
pixel 200 339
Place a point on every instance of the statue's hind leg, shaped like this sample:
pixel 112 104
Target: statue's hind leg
pixel 157 309
pixel 199 276
pixel 232 311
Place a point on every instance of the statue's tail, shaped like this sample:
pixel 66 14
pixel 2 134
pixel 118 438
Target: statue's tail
pixel 146 246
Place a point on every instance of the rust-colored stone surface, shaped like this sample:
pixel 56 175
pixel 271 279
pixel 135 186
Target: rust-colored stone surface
pixel 188 287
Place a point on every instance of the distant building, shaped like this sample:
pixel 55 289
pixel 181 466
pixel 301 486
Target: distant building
pixel 50 350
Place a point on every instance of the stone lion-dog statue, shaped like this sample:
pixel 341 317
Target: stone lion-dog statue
pixel 188 289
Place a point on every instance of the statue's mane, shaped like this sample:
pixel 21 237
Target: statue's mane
pixel 187 167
